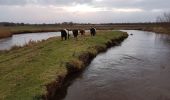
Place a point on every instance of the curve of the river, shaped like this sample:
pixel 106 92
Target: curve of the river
pixel 139 69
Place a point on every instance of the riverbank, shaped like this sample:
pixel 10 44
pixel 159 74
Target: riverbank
pixel 11 30
pixel 136 70
pixel 158 29
pixel 4 32
pixel 37 70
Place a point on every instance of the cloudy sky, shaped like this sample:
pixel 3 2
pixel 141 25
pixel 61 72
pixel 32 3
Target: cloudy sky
pixel 81 11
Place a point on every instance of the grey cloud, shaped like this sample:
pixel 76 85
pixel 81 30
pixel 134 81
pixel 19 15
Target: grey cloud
pixel 142 4
pixel 42 2
pixel 43 15
pixel 151 9
pixel 13 2
pixel 155 4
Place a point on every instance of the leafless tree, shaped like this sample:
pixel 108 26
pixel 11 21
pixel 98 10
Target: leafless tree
pixel 165 17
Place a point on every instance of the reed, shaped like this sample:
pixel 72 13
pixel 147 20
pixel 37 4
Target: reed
pixel 5 32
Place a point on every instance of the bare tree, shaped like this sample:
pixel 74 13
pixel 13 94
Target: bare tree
pixel 165 17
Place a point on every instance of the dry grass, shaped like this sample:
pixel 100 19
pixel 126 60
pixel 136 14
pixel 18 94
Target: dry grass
pixel 5 32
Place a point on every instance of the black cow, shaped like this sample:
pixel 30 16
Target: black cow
pixel 64 34
pixel 82 32
pixel 93 31
pixel 75 33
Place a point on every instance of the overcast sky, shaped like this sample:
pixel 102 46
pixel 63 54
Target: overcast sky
pixel 81 11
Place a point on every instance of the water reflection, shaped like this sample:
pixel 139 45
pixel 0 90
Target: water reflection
pixel 22 39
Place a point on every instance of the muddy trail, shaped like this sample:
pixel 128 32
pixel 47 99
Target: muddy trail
pixel 139 69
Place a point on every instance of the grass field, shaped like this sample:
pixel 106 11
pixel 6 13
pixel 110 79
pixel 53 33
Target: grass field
pixel 25 71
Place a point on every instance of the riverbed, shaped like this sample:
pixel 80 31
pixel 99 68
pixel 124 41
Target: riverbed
pixel 138 69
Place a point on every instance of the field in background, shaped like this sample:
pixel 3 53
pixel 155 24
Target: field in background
pixel 7 31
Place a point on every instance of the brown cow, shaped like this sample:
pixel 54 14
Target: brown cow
pixel 75 33
pixel 82 32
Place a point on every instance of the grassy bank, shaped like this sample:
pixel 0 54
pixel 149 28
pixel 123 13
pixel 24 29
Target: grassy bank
pixel 27 73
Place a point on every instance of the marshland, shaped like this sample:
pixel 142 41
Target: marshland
pixel 48 68
pixel 84 50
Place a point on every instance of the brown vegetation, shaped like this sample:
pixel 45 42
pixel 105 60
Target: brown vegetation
pixel 5 32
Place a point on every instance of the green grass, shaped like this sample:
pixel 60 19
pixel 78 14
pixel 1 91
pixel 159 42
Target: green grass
pixel 24 72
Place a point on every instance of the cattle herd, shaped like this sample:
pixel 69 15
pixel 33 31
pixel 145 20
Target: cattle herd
pixel 66 35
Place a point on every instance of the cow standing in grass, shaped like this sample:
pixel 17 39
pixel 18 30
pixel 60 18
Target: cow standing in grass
pixel 82 32
pixel 93 31
pixel 75 33
pixel 64 34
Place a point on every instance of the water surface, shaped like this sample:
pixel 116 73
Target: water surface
pixel 139 69
pixel 22 39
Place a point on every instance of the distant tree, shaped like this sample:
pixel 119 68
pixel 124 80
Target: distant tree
pixel 165 17
pixel 22 24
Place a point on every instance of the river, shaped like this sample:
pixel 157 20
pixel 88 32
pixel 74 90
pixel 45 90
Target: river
pixel 139 69
pixel 22 39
